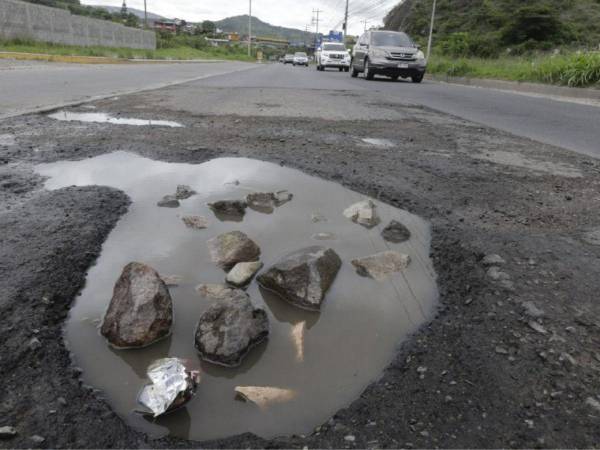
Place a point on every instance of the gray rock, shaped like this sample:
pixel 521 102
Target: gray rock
pixel 263 202
pixel 229 210
pixel 536 326
pixel 591 401
pixel 7 432
pixel 141 309
pixel 395 232
pixel 592 237
pixel 493 260
pixel 37 439
pixel 196 222
pixel 303 277
pixel 214 291
pixel 229 329
pixel 363 213
pixel 242 273
pixel 282 197
pixel 169 201
pixel 228 249
pixel 381 265
pixel 496 274
pixel 531 310
pixel 35 344
pixel 183 192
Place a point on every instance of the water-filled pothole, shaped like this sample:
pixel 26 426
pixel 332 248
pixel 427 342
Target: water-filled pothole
pixel 69 116
pixel 346 346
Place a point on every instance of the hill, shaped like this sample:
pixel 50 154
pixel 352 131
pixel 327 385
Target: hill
pixel 486 27
pixel 239 24
pixel 137 12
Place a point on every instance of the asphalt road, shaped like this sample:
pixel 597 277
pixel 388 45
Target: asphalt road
pixel 26 87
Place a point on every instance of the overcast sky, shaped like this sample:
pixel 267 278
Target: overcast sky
pixel 288 13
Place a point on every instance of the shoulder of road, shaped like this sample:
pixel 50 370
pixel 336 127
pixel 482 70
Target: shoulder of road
pixel 74 59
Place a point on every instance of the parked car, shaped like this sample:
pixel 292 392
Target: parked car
pixel 288 59
pixel 300 59
pixel 389 53
pixel 333 54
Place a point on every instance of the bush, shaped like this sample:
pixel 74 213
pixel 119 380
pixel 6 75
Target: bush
pixel 576 70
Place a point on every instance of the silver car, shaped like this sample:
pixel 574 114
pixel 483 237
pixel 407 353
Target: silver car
pixel 389 53
pixel 300 59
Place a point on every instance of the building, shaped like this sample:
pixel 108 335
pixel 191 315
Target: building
pixel 165 25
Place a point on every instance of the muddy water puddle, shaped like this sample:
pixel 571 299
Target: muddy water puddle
pixel 69 116
pixel 326 359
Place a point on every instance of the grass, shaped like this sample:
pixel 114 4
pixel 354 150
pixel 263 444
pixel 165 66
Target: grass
pixel 574 70
pixel 175 53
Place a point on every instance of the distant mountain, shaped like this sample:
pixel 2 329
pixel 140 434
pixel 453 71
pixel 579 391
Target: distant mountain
pixel 239 24
pixel 138 12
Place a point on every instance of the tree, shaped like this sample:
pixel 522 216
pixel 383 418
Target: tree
pixel 538 23
pixel 208 27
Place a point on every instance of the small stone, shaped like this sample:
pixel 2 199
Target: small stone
pixel 501 350
pixel 265 396
pixel 283 197
pixel 497 275
pixel 396 232
pixel 493 260
pixel 591 401
pixel 424 433
pixel 61 401
pixel 214 291
pixel 537 327
pixel 228 249
pixel 229 210
pixel 195 222
pixel 531 310
pixel 35 344
pixel 242 273
pixel 592 237
pixel 169 201
pixel 381 265
pixel 7 432
pixel 364 213
pixel 263 202
pixel 303 277
pixel 37 439
pixel 183 192
pixel 349 438
pixel 229 329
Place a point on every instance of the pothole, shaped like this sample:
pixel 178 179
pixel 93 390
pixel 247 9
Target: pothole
pixel 321 361
pixel 69 116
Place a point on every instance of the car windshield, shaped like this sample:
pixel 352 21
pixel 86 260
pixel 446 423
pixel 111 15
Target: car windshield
pixel 391 39
pixel 334 47
pixel 289 56
pixel 301 54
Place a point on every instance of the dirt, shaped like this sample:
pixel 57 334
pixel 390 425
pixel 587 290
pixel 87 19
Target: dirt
pixel 483 373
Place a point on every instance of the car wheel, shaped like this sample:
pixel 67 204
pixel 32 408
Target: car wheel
pixel 368 72
pixel 417 78
pixel 354 73
pixel 346 69
pixel 341 69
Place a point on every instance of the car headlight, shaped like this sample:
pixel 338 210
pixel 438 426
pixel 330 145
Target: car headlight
pixel 421 57
pixel 378 53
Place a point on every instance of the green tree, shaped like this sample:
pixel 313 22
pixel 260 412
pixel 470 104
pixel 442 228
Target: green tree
pixel 208 27
pixel 537 23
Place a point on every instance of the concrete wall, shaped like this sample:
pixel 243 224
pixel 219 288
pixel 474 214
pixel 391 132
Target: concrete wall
pixel 26 20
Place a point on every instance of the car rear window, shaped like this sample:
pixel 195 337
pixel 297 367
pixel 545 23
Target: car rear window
pixel 391 39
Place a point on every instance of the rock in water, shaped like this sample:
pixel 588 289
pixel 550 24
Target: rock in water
pixel 303 277
pixel 381 265
pixel 229 210
pixel 183 192
pixel 214 291
pixel 264 396
pixel 228 249
pixel 196 222
pixel 263 202
pixel 230 328
pixel 363 213
pixel 395 232
pixel 141 309
pixel 169 201
pixel 242 273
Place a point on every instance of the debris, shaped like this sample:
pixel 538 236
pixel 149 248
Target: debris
pixel 228 249
pixel 395 232
pixel 363 213
pixel 37 439
pixel 171 386
pixel 229 210
pixel 172 280
pixel 169 201
pixel 61 401
pixel 7 432
pixel 35 344
pixel 282 197
pixel 298 334
pixel 230 328
pixel 591 401
pixel 141 309
pixel 381 265
pixel 501 350
pixel 264 396
pixel 349 438
pixel 183 192
pixel 317 217
pixel 531 310
pixel 242 273
pixel 213 291
pixel 196 222
pixel 537 327
pixel 303 277
pixel 493 260
pixel 496 274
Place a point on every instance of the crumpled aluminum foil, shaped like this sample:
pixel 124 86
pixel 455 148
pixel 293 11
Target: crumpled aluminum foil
pixel 172 385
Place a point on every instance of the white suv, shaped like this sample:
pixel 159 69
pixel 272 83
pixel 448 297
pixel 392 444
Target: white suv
pixel 333 54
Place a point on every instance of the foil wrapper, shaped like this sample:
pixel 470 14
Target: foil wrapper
pixel 171 386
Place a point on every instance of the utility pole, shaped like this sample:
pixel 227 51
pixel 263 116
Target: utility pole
pixel 306 37
pixel 250 30
pixel 431 29
pixel 366 22
pixel 145 15
pixel 346 20
pixel 317 20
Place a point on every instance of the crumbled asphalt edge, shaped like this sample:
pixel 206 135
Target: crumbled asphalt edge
pixel 449 386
